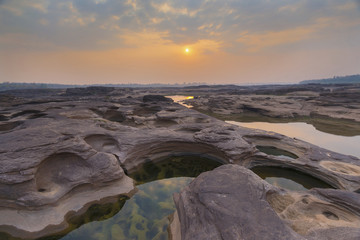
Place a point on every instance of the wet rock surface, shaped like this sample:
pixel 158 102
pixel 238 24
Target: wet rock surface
pixel 61 151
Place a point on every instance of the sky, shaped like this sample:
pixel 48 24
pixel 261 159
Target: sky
pixel 145 41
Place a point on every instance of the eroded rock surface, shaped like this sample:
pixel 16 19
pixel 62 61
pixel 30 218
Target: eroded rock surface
pixel 61 151
pixel 231 202
pixel 330 108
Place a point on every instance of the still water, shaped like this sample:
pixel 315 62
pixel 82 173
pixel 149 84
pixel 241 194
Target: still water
pixel 145 215
pixel 288 178
pixel 306 132
pixel 270 150
pixel 345 141
pixel 181 99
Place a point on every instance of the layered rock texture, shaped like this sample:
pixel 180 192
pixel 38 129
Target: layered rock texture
pixel 330 108
pixel 63 150
pixel 231 202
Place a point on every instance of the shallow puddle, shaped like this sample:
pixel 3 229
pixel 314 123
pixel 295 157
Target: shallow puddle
pixel 288 178
pixel 276 152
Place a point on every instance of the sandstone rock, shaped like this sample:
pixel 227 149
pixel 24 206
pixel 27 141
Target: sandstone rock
pixel 59 153
pixel 232 202
pixel 156 98
pixel 333 109
pixel 229 203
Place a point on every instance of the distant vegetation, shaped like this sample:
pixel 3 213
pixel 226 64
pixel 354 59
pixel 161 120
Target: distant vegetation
pixel 12 86
pixel 17 86
pixel 335 80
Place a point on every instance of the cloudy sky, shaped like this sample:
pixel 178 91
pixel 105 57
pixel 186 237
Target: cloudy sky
pixel 145 41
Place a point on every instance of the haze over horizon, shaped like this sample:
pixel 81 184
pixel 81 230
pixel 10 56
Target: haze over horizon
pixel 159 41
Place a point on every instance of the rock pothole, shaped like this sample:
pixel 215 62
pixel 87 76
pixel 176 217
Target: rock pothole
pixel 146 110
pixel 289 178
pixel 342 168
pixel 103 143
pixel 273 145
pixel 305 213
pixel 270 150
pixel 164 123
pixel 79 114
pixel 31 114
pixel 114 115
pixel 9 126
pixel 63 169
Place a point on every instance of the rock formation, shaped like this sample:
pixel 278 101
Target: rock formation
pixel 330 108
pixel 231 202
pixel 62 152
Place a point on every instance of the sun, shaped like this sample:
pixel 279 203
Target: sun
pixel 187 50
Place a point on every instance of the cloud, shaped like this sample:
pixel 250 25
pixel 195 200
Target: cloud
pixel 144 39
pixel 256 42
pixel 23 41
pixel 132 3
pixel 98 23
pixel 167 8
pixel 156 20
pixel 347 6
pixel 19 6
pixel 100 1
pixel 291 8
pixel 13 10
pixel 44 22
pixel 73 16
pixel 206 46
pixel 358 3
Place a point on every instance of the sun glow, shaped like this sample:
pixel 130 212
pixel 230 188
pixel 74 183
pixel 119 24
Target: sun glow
pixel 187 50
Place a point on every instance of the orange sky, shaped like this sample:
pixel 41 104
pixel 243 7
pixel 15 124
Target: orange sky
pixel 134 41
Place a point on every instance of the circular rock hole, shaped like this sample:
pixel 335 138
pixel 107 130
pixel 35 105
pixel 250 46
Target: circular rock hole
pixel 288 178
pixel 9 126
pixel 60 171
pixel 341 167
pixel 173 166
pixel 330 215
pixel 305 201
pixel 274 151
pixel 103 143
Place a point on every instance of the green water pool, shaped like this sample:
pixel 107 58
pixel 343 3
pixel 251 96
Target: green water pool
pixel 145 215
pixel 288 178
pixel 270 150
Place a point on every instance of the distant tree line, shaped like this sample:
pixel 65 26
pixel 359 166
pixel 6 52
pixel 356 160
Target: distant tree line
pixel 11 86
pixel 16 86
pixel 351 79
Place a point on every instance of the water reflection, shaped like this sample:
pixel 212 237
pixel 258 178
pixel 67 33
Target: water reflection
pixel 288 178
pixel 144 216
pixel 270 150
pixel 180 99
pixel 306 132
pixel 180 166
